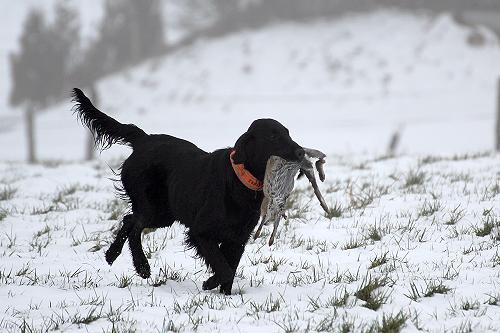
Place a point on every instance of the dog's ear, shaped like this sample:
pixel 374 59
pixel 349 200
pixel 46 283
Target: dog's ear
pixel 240 155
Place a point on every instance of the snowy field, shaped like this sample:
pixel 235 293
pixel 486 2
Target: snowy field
pixel 410 244
pixel 344 86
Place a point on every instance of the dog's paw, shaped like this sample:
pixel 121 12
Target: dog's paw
pixel 211 283
pixel 225 288
pixel 143 270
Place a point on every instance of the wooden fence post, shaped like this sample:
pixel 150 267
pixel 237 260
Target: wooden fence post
pixel 30 133
pixel 497 129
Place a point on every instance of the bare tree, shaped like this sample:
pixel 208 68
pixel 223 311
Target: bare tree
pixel 29 88
pixel 497 134
pixel 40 69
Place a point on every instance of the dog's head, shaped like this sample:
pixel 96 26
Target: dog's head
pixel 265 138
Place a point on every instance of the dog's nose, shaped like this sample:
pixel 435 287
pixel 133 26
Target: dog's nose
pixel 299 152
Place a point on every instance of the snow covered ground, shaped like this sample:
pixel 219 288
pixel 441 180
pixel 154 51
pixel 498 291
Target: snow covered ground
pixel 347 84
pixel 411 243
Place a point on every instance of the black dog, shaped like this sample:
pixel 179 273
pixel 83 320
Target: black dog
pixel 213 194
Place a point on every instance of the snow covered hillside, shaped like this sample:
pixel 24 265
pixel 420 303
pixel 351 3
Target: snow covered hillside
pixel 410 244
pixel 344 86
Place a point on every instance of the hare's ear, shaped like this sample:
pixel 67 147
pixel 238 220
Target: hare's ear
pixel 240 155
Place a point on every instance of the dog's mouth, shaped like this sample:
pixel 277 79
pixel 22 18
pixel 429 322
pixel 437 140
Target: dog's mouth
pixel 296 154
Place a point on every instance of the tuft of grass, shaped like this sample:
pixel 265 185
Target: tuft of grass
pixel 295 207
pixel 456 214
pixel 3 214
pixel 374 233
pixel 429 208
pixel 488 225
pixel 468 305
pixel 256 282
pixel 170 326
pixel 99 244
pixel 41 240
pixel 451 273
pixel 367 293
pixel 288 325
pixel 344 277
pixel 326 324
pixel 274 264
pixel 414 178
pixel 470 156
pixel 43 210
pixel 365 195
pixel 379 260
pixel 490 191
pixel 430 160
pixel 47 325
pixel 496 259
pixel 168 274
pixel 124 281
pixel 45 230
pixel 152 245
pixel 487 212
pixel 465 327
pixel 376 301
pixel 89 318
pixel 268 306
pixel 389 324
pixel 329 324
pixel 339 299
pixel 346 326
pixel 493 299
pixel 7 193
pixel 353 243
pixel 296 241
pixel 431 289
pixel 335 211
pixel 63 201
pixel 115 208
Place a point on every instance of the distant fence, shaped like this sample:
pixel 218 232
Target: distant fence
pixel 497 134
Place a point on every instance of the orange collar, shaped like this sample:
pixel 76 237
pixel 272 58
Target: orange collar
pixel 244 175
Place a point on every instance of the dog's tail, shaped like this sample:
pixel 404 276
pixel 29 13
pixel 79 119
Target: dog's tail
pixel 105 129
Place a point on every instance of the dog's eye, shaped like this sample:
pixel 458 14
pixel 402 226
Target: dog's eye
pixel 273 137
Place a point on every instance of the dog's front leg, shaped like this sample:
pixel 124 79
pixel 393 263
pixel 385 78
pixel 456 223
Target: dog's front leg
pixel 232 252
pixel 209 250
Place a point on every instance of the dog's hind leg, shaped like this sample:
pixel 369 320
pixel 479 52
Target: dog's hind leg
pixel 116 247
pixel 138 257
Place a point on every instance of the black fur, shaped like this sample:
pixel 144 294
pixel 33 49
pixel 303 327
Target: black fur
pixel 168 179
pixel 105 129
